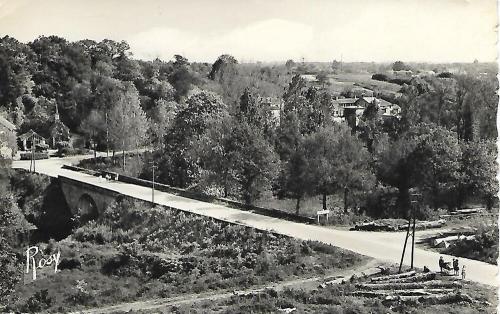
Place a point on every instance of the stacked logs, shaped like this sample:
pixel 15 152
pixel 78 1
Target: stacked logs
pixel 412 287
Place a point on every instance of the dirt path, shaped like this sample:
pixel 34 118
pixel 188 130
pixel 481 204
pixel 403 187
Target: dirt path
pixel 161 303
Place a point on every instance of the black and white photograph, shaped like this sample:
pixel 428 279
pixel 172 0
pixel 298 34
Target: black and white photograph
pixel 249 156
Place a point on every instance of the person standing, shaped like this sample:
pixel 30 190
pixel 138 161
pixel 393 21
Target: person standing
pixel 463 272
pixel 441 264
pixel 456 268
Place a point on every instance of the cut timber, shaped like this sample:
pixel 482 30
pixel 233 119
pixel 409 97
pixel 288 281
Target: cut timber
pixel 340 279
pixel 395 276
pixel 445 242
pixel 333 282
pixel 371 272
pixel 374 226
pixel 410 292
pixel 410 285
pixel 433 299
pixel 468 211
pixel 416 278
pixel 446 298
pixel 425 224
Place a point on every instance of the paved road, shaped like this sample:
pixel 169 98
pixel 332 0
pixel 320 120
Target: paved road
pixel 385 246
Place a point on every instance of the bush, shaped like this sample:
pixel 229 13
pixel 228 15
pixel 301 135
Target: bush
pixel 445 75
pixel 38 302
pixel 62 144
pixel 380 77
pixel 79 294
pixel 94 232
pixel 70 263
pixel 70 151
pixel 400 81
pixel 37 155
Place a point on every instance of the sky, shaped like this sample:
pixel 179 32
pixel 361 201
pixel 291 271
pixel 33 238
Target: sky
pixel 269 30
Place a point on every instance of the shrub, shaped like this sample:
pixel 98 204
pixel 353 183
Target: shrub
pixel 94 232
pixel 380 77
pixel 79 294
pixel 38 302
pixel 61 144
pixel 36 156
pixel 445 75
pixel 69 263
pixel 400 81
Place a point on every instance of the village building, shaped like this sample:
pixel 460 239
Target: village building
pixel 30 138
pixel 59 132
pixel 8 145
pixel 350 110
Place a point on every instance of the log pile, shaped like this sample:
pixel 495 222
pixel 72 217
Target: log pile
pixel 374 226
pixel 466 212
pixel 425 224
pixel 412 286
pixel 385 226
pixel 446 241
pixel 341 279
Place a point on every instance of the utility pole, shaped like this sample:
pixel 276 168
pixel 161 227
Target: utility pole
pixel 404 247
pixel 414 204
pixel 414 199
pixel 107 134
pixel 32 152
pixel 153 166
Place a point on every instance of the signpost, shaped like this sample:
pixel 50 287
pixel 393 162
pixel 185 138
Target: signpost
pixel 323 212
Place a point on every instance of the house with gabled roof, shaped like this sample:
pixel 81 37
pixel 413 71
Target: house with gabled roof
pixel 351 109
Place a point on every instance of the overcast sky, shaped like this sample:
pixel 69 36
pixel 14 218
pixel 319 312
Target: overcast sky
pixel 269 30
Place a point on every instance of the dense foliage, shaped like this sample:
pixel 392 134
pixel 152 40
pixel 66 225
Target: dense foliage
pixel 250 130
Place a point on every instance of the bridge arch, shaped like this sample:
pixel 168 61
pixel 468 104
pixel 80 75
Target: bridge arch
pixel 87 208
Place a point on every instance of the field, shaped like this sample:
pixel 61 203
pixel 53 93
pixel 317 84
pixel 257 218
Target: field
pixel 134 253
pixel 351 80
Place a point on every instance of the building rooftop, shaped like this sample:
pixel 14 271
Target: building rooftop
pixel 6 123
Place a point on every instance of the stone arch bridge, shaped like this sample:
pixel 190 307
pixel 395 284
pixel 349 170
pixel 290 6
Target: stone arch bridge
pixel 86 201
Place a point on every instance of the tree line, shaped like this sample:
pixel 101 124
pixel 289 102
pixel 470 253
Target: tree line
pixel 240 130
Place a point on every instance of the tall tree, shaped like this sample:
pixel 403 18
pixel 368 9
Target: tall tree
pixel 338 161
pixel 127 121
pixel 427 157
pixel 181 77
pixel 94 126
pixel 179 167
pixel 479 169
pixel 218 152
pixel 298 179
pixel 435 161
pixel 238 155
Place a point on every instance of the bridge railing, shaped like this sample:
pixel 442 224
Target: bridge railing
pixel 196 195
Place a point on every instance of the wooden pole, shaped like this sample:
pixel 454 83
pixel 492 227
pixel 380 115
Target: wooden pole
pixel 404 247
pixel 413 240
pixel 153 166
pixel 414 202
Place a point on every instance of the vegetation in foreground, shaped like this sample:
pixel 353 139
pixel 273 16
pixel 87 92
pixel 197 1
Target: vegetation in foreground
pixel 134 252
pixel 345 298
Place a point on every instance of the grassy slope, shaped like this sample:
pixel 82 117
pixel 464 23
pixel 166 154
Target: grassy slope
pixel 135 252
